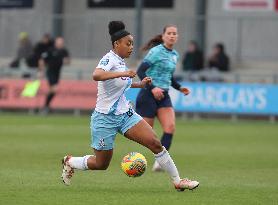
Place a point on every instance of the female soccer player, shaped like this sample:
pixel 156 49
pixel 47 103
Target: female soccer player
pixel 154 100
pixel 113 114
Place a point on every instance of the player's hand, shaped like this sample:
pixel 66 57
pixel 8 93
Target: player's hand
pixel 158 93
pixel 145 81
pixel 185 91
pixel 129 73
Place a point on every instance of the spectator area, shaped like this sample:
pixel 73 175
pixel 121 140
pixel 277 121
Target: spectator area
pixel 245 72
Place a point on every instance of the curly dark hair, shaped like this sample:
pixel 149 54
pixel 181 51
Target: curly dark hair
pixel 115 26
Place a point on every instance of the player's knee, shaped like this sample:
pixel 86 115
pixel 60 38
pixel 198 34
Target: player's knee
pixel 53 89
pixel 155 145
pixel 170 128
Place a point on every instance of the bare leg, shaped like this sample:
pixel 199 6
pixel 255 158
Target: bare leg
pixel 150 121
pixel 143 134
pixel 101 160
pixel 166 117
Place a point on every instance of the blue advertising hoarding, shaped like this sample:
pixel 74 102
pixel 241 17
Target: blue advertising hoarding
pixel 224 98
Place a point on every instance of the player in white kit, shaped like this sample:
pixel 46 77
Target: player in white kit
pixel 113 114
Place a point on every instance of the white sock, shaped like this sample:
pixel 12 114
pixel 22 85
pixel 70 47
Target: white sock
pixel 165 161
pixel 79 162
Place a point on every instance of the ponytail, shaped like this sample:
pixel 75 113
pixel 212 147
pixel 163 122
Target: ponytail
pixel 153 42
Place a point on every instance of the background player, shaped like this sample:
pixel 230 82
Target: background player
pixel 113 114
pixel 53 60
pixel 154 100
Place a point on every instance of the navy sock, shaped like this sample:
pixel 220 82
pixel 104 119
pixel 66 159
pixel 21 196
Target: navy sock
pixel 49 98
pixel 166 140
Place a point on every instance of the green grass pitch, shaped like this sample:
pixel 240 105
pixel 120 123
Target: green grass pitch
pixel 236 163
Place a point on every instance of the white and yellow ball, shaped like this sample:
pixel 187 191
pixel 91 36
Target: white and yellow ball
pixel 134 164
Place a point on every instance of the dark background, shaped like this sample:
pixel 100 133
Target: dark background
pixel 129 3
pixel 16 3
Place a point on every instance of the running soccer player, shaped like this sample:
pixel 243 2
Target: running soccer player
pixel 113 114
pixel 154 100
pixel 53 59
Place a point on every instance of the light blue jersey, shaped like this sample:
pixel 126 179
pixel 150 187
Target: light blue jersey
pixel 162 63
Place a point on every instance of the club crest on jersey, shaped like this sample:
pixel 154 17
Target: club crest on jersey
pixel 104 62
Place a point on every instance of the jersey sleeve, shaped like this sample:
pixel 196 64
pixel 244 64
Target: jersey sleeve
pixel 105 64
pixel 152 56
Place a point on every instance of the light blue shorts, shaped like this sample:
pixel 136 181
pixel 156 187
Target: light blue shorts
pixel 104 127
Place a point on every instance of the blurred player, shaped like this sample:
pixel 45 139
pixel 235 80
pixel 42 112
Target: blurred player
pixel 53 60
pixel 154 100
pixel 113 114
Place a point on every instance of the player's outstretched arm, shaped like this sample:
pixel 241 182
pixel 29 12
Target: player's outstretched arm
pixel 101 75
pixel 142 84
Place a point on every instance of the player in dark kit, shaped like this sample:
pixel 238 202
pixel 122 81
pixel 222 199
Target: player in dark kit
pixel 53 60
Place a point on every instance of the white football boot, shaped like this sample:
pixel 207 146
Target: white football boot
pixel 186 184
pixel 68 171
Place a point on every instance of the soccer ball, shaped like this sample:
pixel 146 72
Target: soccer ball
pixel 134 164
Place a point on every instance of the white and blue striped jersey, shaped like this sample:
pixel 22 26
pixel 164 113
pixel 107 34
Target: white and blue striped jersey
pixel 111 93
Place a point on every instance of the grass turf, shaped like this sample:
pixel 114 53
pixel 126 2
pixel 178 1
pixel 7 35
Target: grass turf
pixel 236 163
